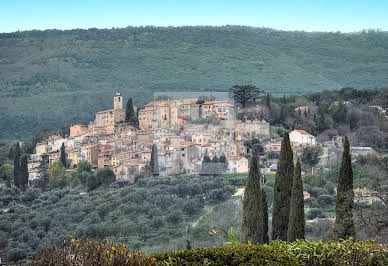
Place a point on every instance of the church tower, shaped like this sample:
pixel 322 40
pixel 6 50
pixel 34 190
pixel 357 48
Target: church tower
pixel 118 101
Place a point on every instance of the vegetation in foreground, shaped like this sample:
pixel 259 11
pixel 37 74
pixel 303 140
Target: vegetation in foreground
pixel 347 252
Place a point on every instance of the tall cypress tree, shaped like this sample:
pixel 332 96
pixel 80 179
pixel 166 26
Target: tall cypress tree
pixel 265 216
pixel 268 101
pixel 282 191
pixel 23 172
pixel 296 225
pixel 344 224
pixel 154 164
pixel 63 159
pixel 252 223
pixel 16 166
pixel 129 111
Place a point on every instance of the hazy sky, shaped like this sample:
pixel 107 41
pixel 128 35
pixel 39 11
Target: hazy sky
pixel 309 15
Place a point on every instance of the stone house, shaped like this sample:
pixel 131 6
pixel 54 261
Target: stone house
pixel 300 137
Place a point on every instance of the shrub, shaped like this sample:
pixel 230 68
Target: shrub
pixel 326 200
pixel 301 252
pixel 84 251
pixel 315 213
pixel 16 255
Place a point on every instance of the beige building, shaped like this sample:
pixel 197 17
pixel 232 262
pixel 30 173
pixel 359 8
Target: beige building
pixel 237 164
pixel 109 118
pixel 300 137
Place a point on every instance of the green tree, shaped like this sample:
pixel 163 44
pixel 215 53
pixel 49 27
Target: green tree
pixel 296 225
pixel 310 156
pixel 24 172
pixel 56 173
pixel 130 116
pixel 252 222
pixel 344 224
pixel 6 172
pixel 244 95
pixel 105 175
pixel 154 163
pixel 206 165
pixel 265 216
pixel 16 166
pixel 92 182
pixel 224 162
pixel 268 101
pixel 63 159
pixel 84 166
pixel 282 191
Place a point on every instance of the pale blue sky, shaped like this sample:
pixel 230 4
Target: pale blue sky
pixel 308 15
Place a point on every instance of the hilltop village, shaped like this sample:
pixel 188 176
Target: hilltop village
pixel 184 132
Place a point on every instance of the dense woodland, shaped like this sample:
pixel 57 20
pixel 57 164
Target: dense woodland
pixel 53 78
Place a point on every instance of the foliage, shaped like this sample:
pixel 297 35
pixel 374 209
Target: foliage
pixel 84 166
pixel 63 158
pixel 245 95
pixel 283 191
pixel 296 226
pixel 150 215
pixel 154 162
pixel 253 216
pixel 56 172
pixel 301 252
pixel 79 70
pixel 105 176
pixel 88 252
pixel 310 156
pixel 344 224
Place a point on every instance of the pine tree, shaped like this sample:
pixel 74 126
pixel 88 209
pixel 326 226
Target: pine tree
pixel 154 163
pixel 344 224
pixel 206 165
pixel 265 216
pixel 16 166
pixel 215 159
pixel 296 225
pixel 252 223
pixel 63 159
pixel 282 191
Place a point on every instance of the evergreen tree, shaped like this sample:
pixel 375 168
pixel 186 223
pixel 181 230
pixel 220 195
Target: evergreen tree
pixel 154 164
pixel 16 166
pixel 44 172
pixel 23 172
pixel 296 225
pixel 265 217
pixel 252 223
pixel 344 224
pixel 305 113
pixel 130 116
pixel 245 95
pixel 268 101
pixel 224 162
pixel 215 159
pixel 282 191
pixel 129 111
pixel 206 165
pixel 11 153
pixel 63 159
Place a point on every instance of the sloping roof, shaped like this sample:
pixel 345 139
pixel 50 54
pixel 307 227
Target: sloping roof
pixel 301 131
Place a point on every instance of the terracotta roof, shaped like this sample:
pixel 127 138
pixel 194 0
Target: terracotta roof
pixel 301 131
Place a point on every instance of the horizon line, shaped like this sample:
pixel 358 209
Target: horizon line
pixel 214 26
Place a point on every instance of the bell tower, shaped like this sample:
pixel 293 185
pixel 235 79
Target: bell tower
pixel 118 101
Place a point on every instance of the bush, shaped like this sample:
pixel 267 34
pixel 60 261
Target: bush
pixel 16 255
pixel 326 200
pixel 301 252
pixel 89 252
pixel 315 213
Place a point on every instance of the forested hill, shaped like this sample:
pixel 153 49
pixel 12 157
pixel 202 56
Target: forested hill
pixel 52 78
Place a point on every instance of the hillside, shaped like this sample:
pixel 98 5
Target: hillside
pixel 53 78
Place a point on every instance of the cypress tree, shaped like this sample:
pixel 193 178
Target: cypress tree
pixel 16 166
pixel 296 223
pixel 129 111
pixel 344 224
pixel 206 166
pixel 154 164
pixel 23 172
pixel 252 223
pixel 265 216
pixel 268 101
pixel 63 159
pixel 282 191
